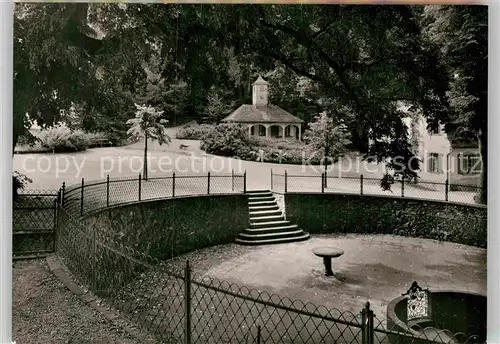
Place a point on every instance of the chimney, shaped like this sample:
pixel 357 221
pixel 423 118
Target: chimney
pixel 260 92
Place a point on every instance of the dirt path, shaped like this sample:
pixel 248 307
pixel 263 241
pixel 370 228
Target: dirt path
pixel 45 311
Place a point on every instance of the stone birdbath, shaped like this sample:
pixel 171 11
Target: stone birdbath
pixel 327 253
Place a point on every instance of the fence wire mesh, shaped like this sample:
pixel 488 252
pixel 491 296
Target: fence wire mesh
pixel 229 313
pixel 91 196
pixel 282 183
pixel 179 306
pixel 33 221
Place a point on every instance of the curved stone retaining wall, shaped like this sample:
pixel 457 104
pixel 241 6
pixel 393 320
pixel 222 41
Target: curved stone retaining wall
pixel 319 213
pixel 169 227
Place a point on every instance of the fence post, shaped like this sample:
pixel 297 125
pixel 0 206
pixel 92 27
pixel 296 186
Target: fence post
pixel 81 198
pixel 371 329
pixel 187 303
pixel 208 187
pixel 107 191
pixel 286 181
pixel 63 187
pixel 403 186
pixel 446 185
pixel 323 182
pixel 326 176
pixel 361 184
pixel 173 184
pixel 363 326
pixel 245 182
pixel 232 180
pixel 271 179
pixel 258 334
pixel 140 185
pixel 367 328
pixel 56 205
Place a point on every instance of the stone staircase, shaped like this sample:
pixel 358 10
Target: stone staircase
pixel 267 224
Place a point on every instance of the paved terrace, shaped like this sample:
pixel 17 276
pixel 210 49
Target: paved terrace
pixel 375 268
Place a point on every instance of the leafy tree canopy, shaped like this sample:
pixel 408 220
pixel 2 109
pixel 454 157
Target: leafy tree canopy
pixel 361 59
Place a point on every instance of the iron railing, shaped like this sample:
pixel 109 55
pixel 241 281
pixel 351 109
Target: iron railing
pixel 93 195
pixel 183 306
pixel 283 183
pixel 178 305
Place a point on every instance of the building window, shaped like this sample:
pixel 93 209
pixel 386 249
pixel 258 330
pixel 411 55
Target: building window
pixel 262 130
pixel 434 129
pixel 433 163
pixel 287 131
pixel 262 88
pixel 469 163
pixel 252 130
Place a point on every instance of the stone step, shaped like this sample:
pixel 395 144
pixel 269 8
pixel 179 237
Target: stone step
pixel 259 203
pixel 261 194
pixel 257 191
pixel 259 213
pixel 265 223
pixel 263 207
pixel 263 218
pixel 268 230
pixel 277 235
pixel 303 237
pixel 261 199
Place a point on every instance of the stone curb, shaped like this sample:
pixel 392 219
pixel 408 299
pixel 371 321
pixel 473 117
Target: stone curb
pixel 56 267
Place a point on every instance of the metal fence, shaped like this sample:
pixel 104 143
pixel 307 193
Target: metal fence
pixel 33 223
pixel 177 305
pixel 93 195
pixel 282 183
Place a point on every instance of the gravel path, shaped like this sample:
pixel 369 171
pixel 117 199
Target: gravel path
pixel 44 311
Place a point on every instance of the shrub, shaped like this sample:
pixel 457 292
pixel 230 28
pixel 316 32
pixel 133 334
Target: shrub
pixel 286 151
pixel 35 147
pixel 194 131
pixel 19 182
pixel 233 140
pixel 60 138
pixel 265 142
pixel 228 139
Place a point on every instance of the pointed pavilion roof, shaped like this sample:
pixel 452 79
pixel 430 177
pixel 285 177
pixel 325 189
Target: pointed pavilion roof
pixel 260 81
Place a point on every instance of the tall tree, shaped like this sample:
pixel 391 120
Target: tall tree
pixel 48 69
pixel 327 137
pixel 148 125
pixel 363 58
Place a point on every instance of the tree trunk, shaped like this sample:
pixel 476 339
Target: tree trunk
pixel 483 150
pixel 14 141
pixel 145 168
pixel 327 152
pixel 17 127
